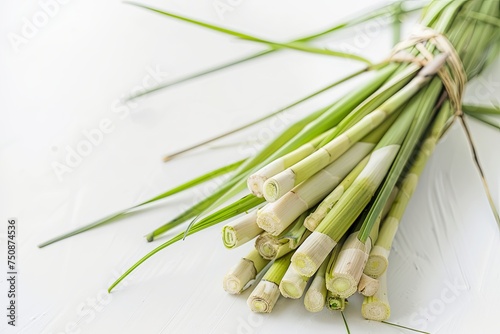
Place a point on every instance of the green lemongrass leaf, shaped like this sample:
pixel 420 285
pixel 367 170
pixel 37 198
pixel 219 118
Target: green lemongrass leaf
pixel 300 46
pixel 107 219
pixel 396 27
pixel 242 205
pixel 484 120
pixel 268 116
pixel 345 322
pixel 484 18
pixel 200 74
pixel 404 327
pixel 391 9
pixel 424 104
pixel 123 213
pixel 475 109
pixel 388 9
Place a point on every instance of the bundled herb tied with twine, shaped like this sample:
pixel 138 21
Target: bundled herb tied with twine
pixel 326 196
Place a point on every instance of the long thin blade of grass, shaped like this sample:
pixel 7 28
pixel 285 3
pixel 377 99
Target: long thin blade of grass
pixel 484 119
pixel 242 205
pixel 392 9
pixel 257 121
pixel 123 213
pixel 475 109
pixel 300 46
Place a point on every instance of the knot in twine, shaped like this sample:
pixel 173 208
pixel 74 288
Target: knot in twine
pixel 453 76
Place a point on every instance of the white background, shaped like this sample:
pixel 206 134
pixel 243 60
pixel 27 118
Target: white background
pixel 70 76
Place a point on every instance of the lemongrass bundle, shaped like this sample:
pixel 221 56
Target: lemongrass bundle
pixel 323 160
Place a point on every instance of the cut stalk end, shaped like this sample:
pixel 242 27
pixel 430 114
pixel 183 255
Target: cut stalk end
pixel 240 277
pixel 293 284
pixel 377 262
pixel 311 254
pixel 264 297
pixel 368 286
pixel 279 185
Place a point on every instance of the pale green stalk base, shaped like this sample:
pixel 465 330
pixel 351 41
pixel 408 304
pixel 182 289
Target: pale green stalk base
pixel 255 182
pixel 315 298
pixel 270 247
pixel 241 230
pixel 377 306
pixel 266 294
pixel 368 286
pixel 377 262
pixel 242 275
pixel 264 297
pixel 344 278
pixel 311 254
pixel 293 284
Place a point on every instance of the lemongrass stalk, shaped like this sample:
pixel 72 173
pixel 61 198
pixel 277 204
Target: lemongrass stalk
pixel 277 216
pixel 379 256
pixel 334 302
pixel 256 181
pixel 293 284
pixel 318 245
pixel 377 307
pixel 312 221
pixel 283 182
pixel 273 247
pixel 243 274
pixel 315 297
pixel 345 275
pixel 349 267
pixel 241 230
pixel 266 293
pixel 367 285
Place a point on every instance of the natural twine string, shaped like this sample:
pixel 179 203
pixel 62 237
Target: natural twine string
pixel 453 76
